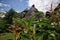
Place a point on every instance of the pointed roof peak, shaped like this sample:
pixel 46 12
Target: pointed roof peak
pixel 33 5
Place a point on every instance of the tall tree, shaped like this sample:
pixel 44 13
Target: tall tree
pixel 9 16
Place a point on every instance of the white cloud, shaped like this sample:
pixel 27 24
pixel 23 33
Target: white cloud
pixel 42 5
pixel 2 9
pixel 2 4
pixel 18 11
pixel 2 16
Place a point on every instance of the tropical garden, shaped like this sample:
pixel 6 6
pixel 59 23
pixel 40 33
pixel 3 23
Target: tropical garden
pixel 15 27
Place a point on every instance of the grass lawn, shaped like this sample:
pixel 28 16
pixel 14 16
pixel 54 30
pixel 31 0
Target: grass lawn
pixel 6 36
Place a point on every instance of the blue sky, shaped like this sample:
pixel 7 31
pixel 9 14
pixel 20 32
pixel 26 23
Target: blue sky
pixel 17 5
pixel 20 5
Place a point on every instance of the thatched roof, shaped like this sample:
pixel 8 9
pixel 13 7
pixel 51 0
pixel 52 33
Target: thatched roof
pixel 29 12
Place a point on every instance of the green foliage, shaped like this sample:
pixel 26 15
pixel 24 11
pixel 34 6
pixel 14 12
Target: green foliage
pixel 18 15
pixel 9 16
pixel 41 29
pixel 2 23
